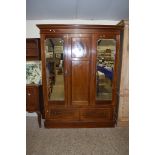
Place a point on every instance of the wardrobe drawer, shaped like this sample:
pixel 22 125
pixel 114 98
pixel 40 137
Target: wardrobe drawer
pixel 96 114
pixel 64 114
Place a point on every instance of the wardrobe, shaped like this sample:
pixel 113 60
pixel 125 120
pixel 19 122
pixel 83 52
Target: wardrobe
pixel 80 74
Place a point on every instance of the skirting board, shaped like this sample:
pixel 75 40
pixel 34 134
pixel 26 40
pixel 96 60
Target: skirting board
pixel 123 124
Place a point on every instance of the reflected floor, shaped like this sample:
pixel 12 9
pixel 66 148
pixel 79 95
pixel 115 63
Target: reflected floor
pixel 104 91
pixel 104 96
pixel 58 89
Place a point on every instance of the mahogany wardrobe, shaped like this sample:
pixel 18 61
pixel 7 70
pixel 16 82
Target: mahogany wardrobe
pixel 80 74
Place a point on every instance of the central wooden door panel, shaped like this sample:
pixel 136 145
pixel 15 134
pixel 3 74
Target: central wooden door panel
pixel 80 82
pixel 80 57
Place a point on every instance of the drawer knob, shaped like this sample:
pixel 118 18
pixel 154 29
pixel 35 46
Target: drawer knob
pixel 29 94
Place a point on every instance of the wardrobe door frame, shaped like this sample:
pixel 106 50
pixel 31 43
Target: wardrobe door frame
pixel 115 89
pixel 49 103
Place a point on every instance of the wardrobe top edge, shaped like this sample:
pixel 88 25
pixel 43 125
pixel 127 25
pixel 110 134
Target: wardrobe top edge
pixel 78 26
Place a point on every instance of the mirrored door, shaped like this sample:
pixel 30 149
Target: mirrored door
pixel 54 55
pixel 105 62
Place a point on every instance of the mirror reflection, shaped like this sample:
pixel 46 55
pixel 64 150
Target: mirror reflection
pixel 106 49
pixel 55 68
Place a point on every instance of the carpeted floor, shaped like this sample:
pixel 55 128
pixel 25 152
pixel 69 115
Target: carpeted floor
pixel 90 141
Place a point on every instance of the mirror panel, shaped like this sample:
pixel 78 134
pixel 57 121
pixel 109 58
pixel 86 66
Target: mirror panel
pixel 54 49
pixel 106 49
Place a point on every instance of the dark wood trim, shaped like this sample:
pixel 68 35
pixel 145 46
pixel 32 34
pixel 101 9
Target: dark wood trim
pixel 54 124
pixel 41 99
pixel 78 26
pixel 117 61
pixel 44 83
pixel 76 29
pixel 105 105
